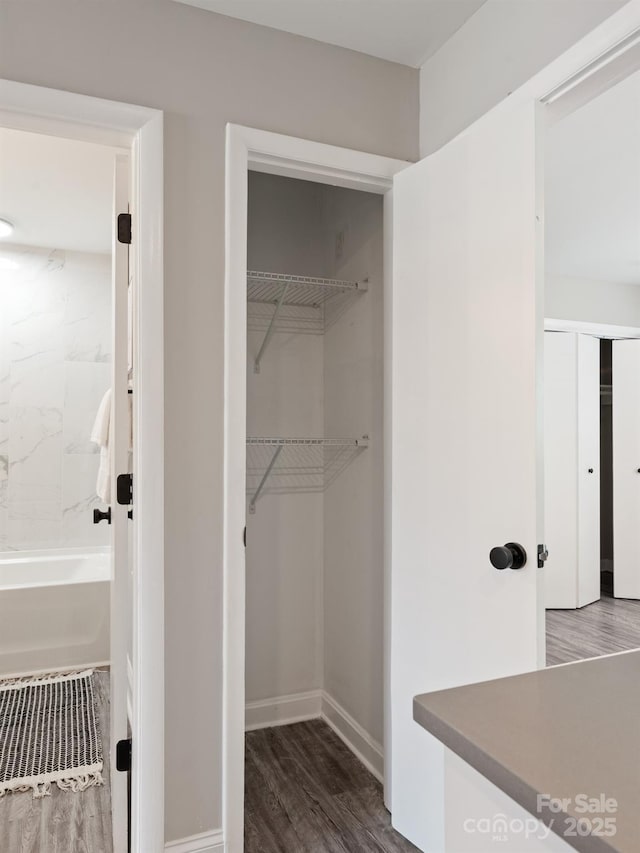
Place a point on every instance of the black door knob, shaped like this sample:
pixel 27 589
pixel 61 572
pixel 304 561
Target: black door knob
pixel 590 470
pixel 510 556
pixel 99 515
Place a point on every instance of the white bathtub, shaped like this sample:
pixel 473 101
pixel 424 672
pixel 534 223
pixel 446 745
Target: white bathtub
pixel 54 609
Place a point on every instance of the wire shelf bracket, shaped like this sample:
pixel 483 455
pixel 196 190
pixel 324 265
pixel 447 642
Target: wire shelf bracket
pixel 311 304
pixel 297 465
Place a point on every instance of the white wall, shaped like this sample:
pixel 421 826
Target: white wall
pixel 353 508
pixel 498 49
pixel 55 354
pixel 591 301
pixel 203 70
pixel 284 536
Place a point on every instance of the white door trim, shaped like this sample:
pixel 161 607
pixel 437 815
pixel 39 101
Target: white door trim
pixel 597 330
pixel 258 150
pixel 139 129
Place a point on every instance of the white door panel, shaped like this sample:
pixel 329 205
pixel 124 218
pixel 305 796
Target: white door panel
pixel 626 463
pixel 121 602
pixel 465 319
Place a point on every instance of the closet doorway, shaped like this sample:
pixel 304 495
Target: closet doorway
pixel 592 377
pixel 308 240
pixel 315 510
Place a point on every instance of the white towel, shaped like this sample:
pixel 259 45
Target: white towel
pixel 100 436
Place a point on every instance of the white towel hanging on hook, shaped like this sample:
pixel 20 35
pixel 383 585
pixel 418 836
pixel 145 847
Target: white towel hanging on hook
pixel 100 435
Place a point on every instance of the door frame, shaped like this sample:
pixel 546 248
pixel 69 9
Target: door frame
pixel 248 149
pixel 140 130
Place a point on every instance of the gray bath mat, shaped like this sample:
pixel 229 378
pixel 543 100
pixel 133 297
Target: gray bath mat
pixel 49 734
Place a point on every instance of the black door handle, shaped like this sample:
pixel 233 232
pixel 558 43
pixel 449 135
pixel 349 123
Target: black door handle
pixel 99 515
pixel 590 470
pixel 509 556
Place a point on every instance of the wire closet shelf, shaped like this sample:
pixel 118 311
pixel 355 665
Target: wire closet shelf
pixel 296 304
pixel 302 465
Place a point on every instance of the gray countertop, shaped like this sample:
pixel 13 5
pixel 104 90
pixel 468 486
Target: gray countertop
pixel 561 731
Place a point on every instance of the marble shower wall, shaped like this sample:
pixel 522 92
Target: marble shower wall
pixel 55 353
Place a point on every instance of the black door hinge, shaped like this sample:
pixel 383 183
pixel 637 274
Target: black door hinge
pixel 123 755
pixel 124 228
pixel 543 555
pixel 124 489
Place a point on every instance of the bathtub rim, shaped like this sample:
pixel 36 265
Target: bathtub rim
pixel 97 570
pixel 56 554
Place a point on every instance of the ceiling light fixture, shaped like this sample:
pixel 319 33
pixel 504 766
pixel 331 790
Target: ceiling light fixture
pixel 6 228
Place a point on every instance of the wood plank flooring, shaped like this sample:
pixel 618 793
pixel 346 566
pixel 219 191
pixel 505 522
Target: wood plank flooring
pixel 606 626
pixel 64 822
pixel 305 792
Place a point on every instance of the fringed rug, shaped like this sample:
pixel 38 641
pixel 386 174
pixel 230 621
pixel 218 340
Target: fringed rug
pixel 49 734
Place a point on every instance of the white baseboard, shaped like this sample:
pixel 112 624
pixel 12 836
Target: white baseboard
pixel 358 739
pixel 297 707
pixel 204 842
pixel 282 710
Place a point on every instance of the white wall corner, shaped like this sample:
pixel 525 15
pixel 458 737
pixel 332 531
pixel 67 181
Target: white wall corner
pixel 311 705
pixel 203 842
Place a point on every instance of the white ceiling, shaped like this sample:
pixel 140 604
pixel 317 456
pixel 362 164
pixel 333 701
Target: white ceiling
pixel 405 31
pixel 592 189
pixel 57 192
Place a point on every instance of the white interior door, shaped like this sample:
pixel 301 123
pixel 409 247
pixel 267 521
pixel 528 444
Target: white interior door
pixel 466 337
pixel 626 468
pixel 119 434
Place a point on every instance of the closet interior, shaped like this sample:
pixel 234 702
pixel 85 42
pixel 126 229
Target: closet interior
pixel 314 544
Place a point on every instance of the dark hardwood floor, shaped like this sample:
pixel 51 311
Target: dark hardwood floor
pixel 64 822
pixel 305 792
pixel 606 626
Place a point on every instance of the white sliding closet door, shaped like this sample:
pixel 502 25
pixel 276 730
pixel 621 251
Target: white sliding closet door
pixel 466 324
pixel 561 469
pixel 572 469
pixel 626 469
pixel 588 470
